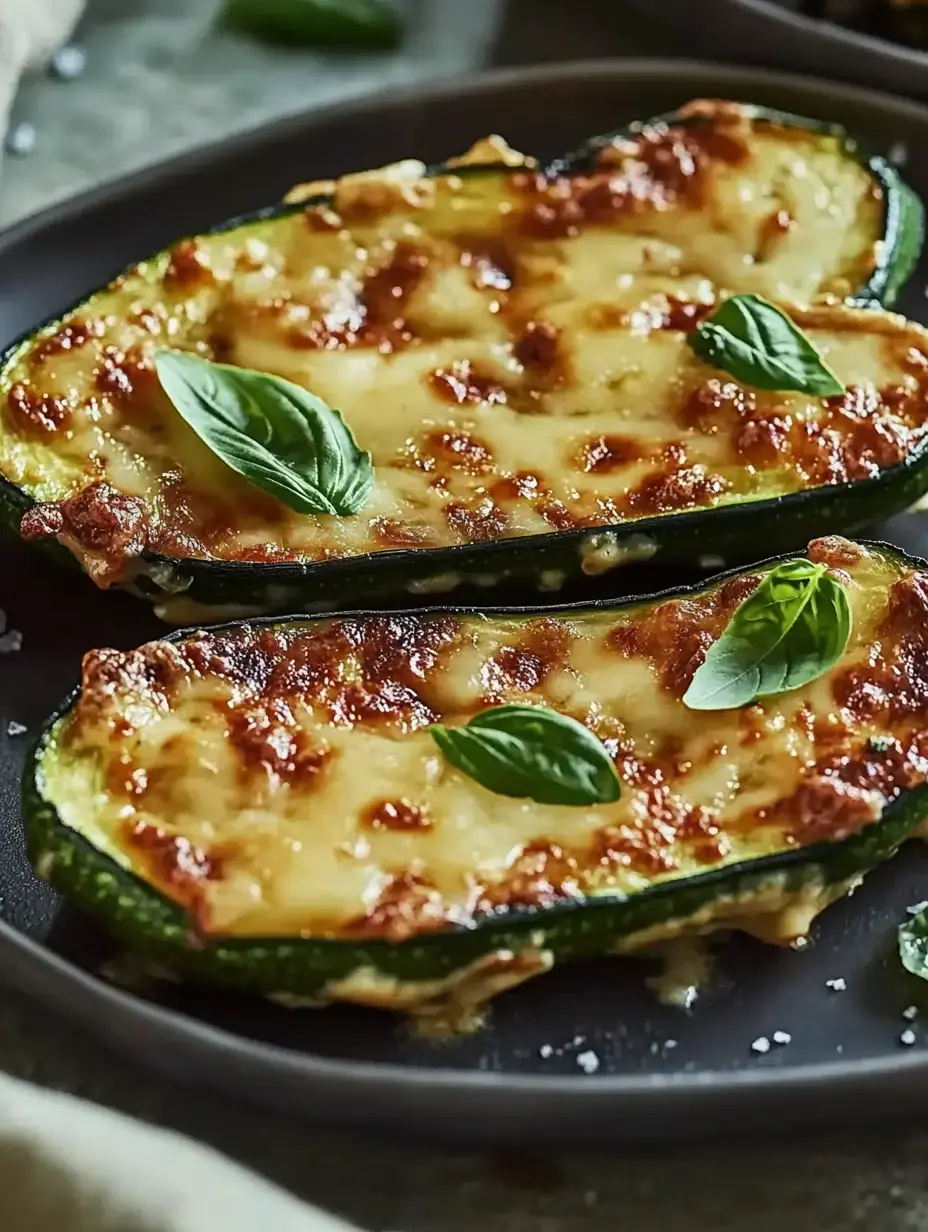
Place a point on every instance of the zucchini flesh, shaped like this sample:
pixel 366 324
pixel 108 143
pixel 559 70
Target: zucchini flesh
pixel 510 347
pixel 262 805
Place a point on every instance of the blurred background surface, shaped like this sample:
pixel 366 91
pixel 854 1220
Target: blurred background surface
pixel 164 75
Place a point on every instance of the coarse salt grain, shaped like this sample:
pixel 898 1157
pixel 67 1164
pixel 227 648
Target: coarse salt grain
pixel 15 729
pixel 907 1037
pixel 839 984
pixel 21 138
pixel 910 1013
pixel 761 1045
pixel 68 62
pixel 781 1037
pixel 545 1051
pixel 588 1061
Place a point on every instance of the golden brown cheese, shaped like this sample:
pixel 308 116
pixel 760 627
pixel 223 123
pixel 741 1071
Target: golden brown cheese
pixel 280 780
pixel 509 346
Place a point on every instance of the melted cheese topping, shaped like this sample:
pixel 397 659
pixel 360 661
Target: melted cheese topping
pixel 280 780
pixel 509 346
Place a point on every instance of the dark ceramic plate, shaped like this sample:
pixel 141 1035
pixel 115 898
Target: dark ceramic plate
pixel 585 1052
pixel 777 33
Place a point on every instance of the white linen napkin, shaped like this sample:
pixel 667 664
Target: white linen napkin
pixel 30 32
pixel 70 1166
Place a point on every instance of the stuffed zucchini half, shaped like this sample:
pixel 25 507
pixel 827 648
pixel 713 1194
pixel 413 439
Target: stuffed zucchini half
pixel 299 807
pixel 509 349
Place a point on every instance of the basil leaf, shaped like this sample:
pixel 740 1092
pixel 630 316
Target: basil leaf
pixel 317 23
pixel 271 432
pixel 913 944
pixel 533 752
pixel 758 344
pixel 792 629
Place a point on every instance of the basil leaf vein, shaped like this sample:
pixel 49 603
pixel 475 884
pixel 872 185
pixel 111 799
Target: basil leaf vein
pixel 791 630
pixel 758 344
pixel 531 752
pixel 270 431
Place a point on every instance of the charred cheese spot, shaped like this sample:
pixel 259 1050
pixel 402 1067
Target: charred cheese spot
pixel 835 551
pixel 281 780
pixel 107 526
pixel 717 405
pixel 491 261
pixel 268 738
pixel 675 636
pixel 130 377
pixel 541 875
pixel 72 335
pixel 36 413
pixel 478 520
pixel 463 383
pixel 187 268
pixel 543 318
pixel 659 167
pixel 407 906
pixel 539 349
pixel 396 815
pixel 683 487
pixel 178 867
pixel 451 449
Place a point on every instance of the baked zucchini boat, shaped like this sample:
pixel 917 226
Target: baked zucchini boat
pixel 510 351
pixel 335 808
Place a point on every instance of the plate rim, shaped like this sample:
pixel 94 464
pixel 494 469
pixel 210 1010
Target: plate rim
pixel 222 1057
pixel 805 39
pixel 662 68
pixel 822 27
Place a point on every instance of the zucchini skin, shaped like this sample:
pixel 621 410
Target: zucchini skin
pixel 672 540
pixel 159 930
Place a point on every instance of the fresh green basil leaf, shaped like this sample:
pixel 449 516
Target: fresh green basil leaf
pixel 317 23
pixel 913 944
pixel 792 629
pixel 532 752
pixel 271 432
pixel 758 344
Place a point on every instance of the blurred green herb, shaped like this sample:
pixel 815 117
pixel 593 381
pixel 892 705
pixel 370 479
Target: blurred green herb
pixel 372 24
pixel 913 944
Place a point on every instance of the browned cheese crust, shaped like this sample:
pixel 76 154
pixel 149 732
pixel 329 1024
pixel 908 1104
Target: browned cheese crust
pixel 509 346
pixel 281 780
